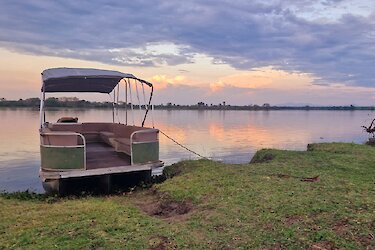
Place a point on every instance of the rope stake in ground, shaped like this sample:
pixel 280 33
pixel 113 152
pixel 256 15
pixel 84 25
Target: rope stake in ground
pixel 184 147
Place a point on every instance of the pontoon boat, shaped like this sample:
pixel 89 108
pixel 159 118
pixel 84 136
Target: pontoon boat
pixel 74 151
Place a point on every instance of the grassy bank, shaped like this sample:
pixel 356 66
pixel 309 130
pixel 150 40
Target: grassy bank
pixel 320 199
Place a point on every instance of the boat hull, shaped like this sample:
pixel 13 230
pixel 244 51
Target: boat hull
pixel 96 184
pixel 104 180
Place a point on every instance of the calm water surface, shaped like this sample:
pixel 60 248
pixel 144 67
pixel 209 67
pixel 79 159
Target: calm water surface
pixel 229 136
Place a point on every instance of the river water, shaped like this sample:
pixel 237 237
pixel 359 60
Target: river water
pixel 228 136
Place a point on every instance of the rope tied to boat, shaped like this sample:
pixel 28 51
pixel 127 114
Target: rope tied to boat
pixel 184 147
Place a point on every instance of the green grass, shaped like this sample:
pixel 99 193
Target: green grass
pixel 259 205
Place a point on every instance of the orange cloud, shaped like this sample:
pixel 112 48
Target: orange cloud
pixel 263 78
pixel 162 81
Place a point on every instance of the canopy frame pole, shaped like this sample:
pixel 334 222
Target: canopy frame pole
pixel 152 115
pixel 139 101
pixel 131 101
pixel 149 101
pixel 126 103
pixel 144 97
pixel 41 111
pixel 117 102
pixel 113 105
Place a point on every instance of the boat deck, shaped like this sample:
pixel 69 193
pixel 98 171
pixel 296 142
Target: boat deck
pixel 101 155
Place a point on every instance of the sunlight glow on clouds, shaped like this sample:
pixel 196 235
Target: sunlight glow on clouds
pixel 263 78
pixel 250 51
pixel 243 34
pixel 162 81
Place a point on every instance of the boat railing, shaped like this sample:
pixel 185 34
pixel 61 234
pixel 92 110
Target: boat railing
pixel 53 145
pixel 144 131
pixel 144 145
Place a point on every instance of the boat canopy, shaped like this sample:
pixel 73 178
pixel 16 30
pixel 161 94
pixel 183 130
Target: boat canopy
pixel 83 80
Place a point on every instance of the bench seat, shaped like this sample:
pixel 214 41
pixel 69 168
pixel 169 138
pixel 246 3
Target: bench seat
pixel 115 135
pixel 123 145
pixel 107 137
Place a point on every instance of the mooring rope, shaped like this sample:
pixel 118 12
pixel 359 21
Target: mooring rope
pixel 301 178
pixel 184 147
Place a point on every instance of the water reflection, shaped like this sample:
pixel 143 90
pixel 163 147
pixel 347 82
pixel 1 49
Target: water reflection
pixel 229 136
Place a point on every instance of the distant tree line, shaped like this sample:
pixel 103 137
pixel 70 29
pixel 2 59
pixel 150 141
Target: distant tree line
pixel 54 102
pixel 265 106
pixel 73 102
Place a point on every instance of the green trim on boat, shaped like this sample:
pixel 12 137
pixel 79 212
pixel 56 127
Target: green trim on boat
pixel 62 158
pixel 145 152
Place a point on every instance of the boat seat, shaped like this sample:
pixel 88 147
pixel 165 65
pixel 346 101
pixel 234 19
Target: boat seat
pixel 107 137
pixel 66 127
pixel 58 140
pixel 122 145
pixel 91 136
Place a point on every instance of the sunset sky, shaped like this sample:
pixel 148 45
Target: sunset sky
pixel 305 52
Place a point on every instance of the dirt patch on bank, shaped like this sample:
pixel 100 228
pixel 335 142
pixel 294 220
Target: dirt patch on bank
pixel 344 228
pixel 160 243
pixel 367 241
pixel 323 245
pixel 168 208
pixel 341 227
pixel 294 219
pixel 163 206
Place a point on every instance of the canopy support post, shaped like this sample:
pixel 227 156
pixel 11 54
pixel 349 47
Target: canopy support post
pixel 41 112
pixel 144 100
pixel 152 115
pixel 149 102
pixel 144 96
pixel 118 94
pixel 113 105
pixel 131 101
pixel 139 101
pixel 126 103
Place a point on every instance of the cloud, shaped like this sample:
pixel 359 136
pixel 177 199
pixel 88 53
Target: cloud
pixel 324 38
pixel 233 95
pixel 264 78
pixel 163 81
